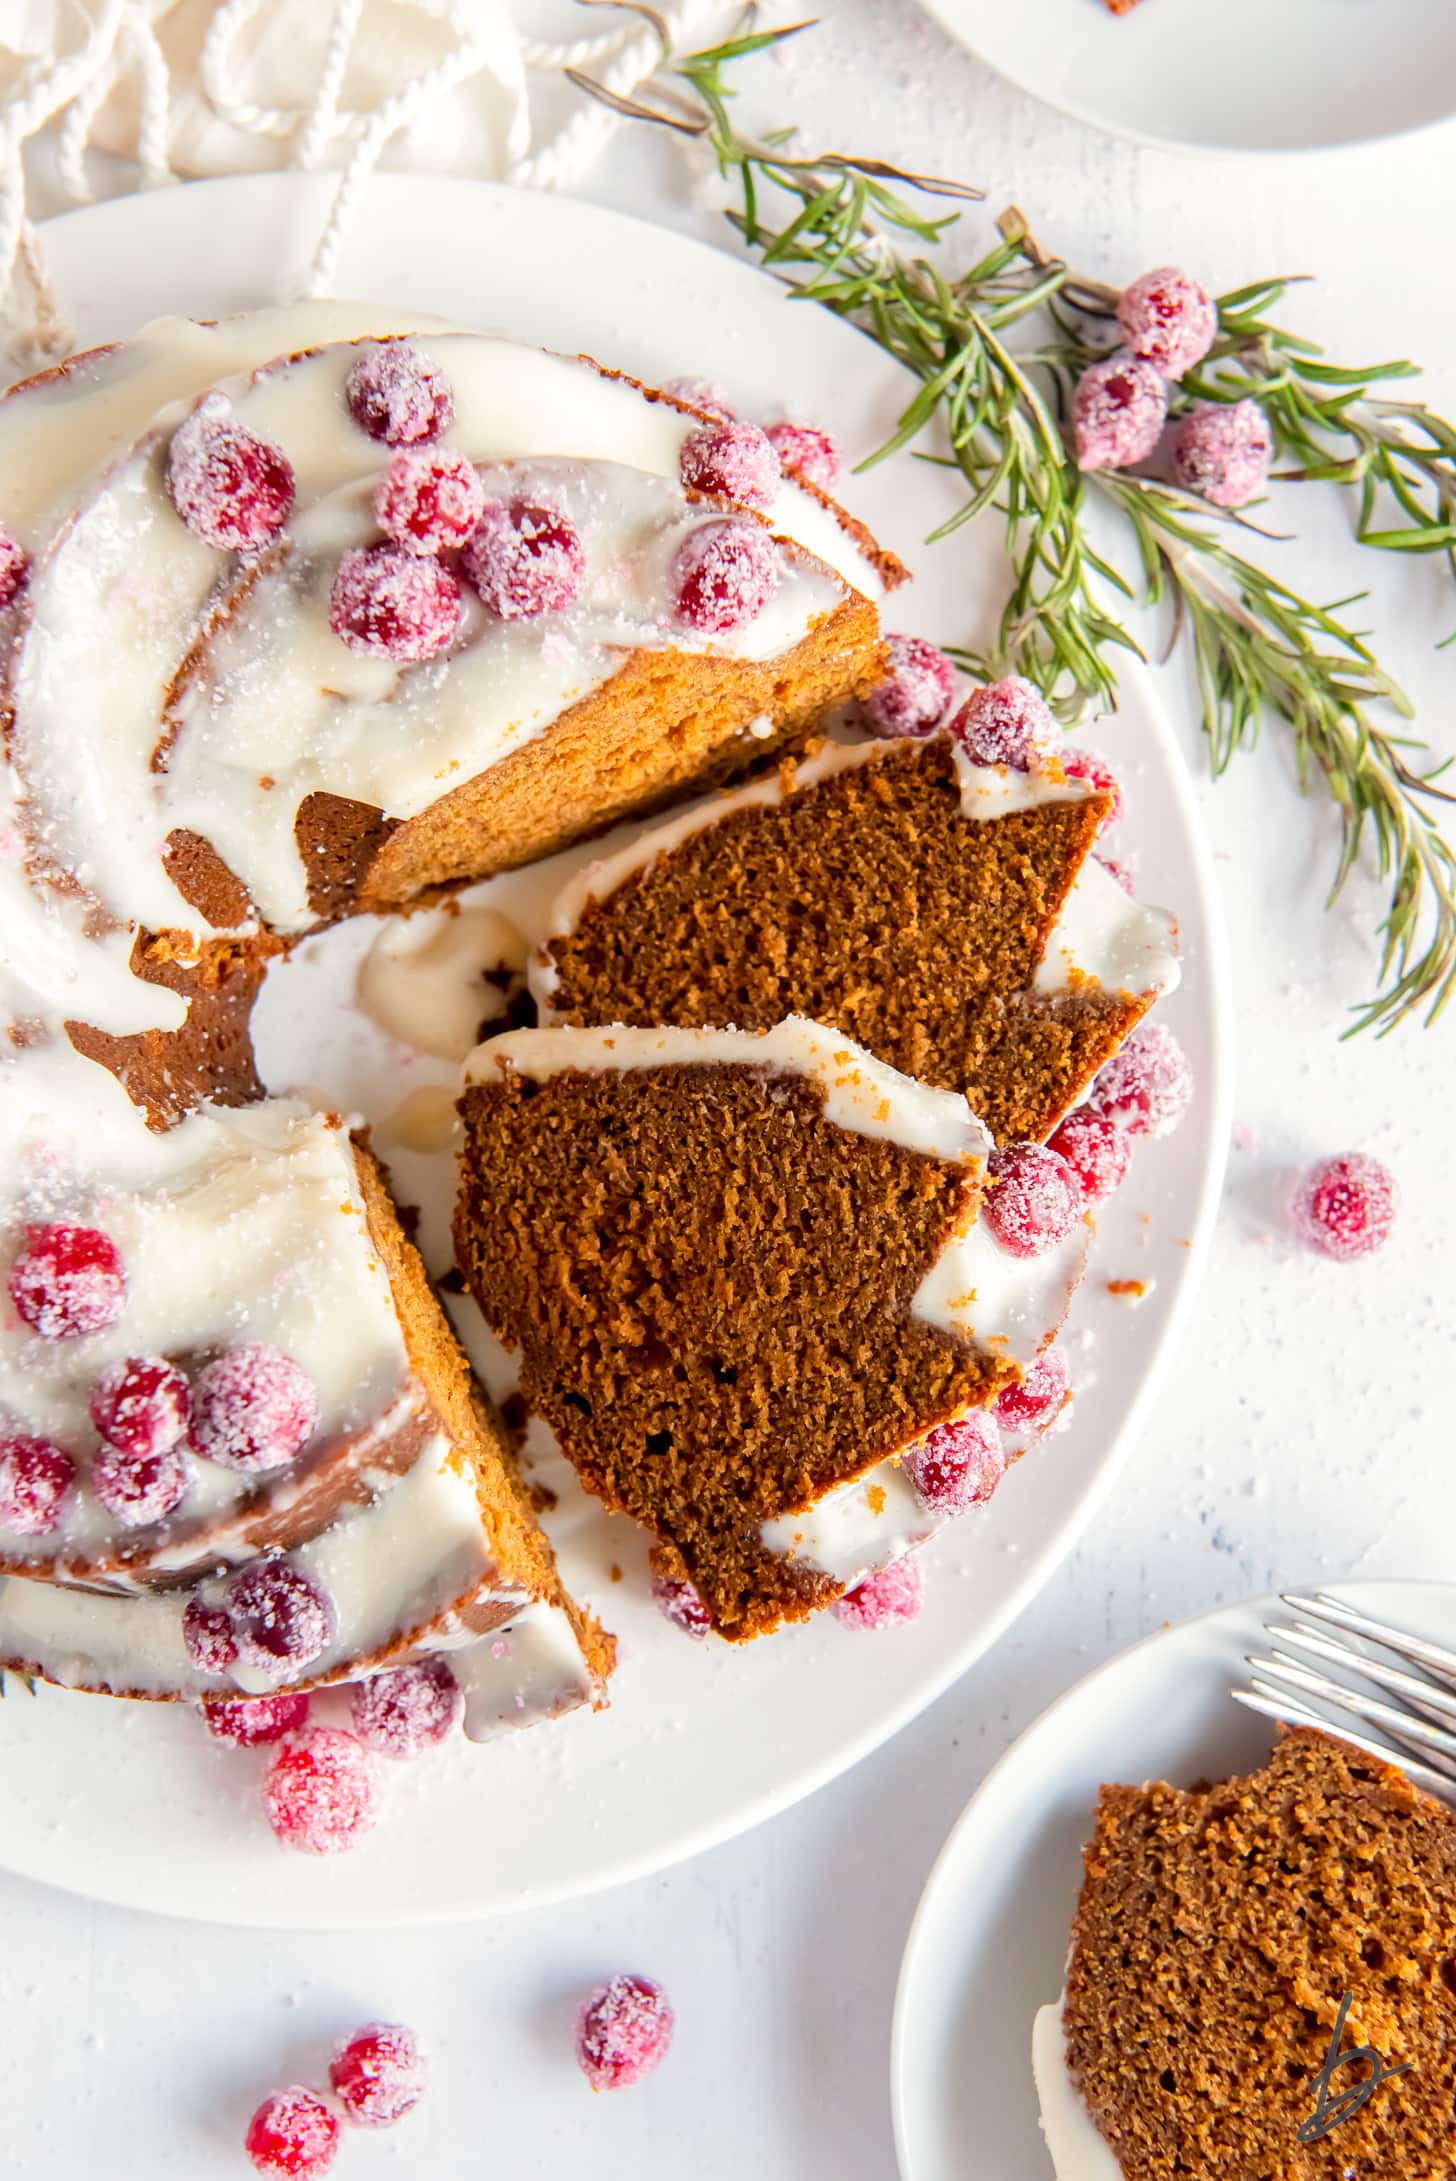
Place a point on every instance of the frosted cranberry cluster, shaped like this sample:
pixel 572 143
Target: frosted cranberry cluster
pixel 376 2076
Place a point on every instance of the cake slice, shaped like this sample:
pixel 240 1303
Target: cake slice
pixel 1218 1932
pixel 744 1273
pixel 947 916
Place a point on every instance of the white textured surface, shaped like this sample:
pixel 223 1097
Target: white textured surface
pixel 1303 1433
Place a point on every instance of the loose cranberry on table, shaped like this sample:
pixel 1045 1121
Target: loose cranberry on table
pixel 395 394
pixel 1079 764
pixel 1032 1200
pixel 293 2136
pixel 1007 723
pixel 389 604
pixel 1222 451
pixel 1118 413
pixel 917 692
pixel 623 2032
pixel 36 1480
pixel 524 558
pixel 725 574
pixel 958 1465
pixel 1037 1398
pixel 1147 1084
pixel 407 1709
pixel 281 1618
pixel 429 500
pixel 677 1601
pixel 232 489
pixel 890 1599
pixel 379 2074
pixel 319 1792
pixel 1168 320
pixel 1344 1207
pixel 807 452
pixel 14 568
pixel 68 1281
pixel 735 461
pixel 141 1405
pixel 1096 1149
pixel 253 1409
pixel 248 1722
pixel 136 1489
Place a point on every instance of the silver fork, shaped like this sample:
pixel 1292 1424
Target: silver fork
pixel 1348 1648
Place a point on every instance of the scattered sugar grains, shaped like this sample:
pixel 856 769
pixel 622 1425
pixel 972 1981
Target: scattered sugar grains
pixel 623 2032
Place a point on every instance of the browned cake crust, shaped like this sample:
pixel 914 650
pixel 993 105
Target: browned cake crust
pixel 210 1056
pixel 869 901
pixel 710 1287
pixel 1218 1931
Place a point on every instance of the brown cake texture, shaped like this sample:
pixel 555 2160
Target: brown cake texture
pixel 872 901
pixel 1217 1933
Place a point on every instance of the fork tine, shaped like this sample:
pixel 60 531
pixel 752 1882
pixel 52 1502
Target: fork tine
pixel 1293 1714
pixel 1437 1742
pixel 1423 1696
pixel 1415 1649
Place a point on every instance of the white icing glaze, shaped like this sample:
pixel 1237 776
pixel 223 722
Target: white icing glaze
pixel 858 1527
pixel 1104 935
pixel 1011 1305
pixel 423 979
pixel 532 1669
pixel 1078 2151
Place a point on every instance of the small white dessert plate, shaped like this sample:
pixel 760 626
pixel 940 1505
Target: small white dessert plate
pixel 989 1939
pixel 1302 75
pixel 702 1740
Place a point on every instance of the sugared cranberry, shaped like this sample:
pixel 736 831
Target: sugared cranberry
pixel 807 452
pixel 233 490
pixel 428 500
pixel 293 2136
pixel 1096 1149
pixel 1118 413
pixel 390 604
pixel 1033 1199
pixel 141 1405
pixel 725 574
pixel 393 394
pixel 623 2032
pixel 1345 1207
pixel 524 558
pixel 379 2073
pixel 247 1722
pixel 1007 723
pixel 207 1634
pixel 1146 1086
pixel 702 394
pixel 319 1792
pixel 917 692
pixel 67 1281
pixel 1222 451
pixel 281 1618
pixel 677 1601
pixel 735 461
pixel 1036 1399
pixel 14 568
pixel 253 1409
pixel 1168 320
pixel 887 1600
pixel 408 1709
pixel 1086 765
pixel 36 1480
pixel 136 1489
pixel 958 1466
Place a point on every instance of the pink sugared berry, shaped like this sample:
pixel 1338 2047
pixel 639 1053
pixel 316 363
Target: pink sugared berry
pixel 1146 1086
pixel 1033 1199
pixel 407 1709
pixel 733 461
pixel 1086 765
pixel 379 2073
pixel 1168 320
pixel 1222 451
pixel 67 1281
pixel 247 1722
pixel 1007 723
pixel 281 1618
pixel 319 1792
pixel 678 1601
pixel 524 558
pixel 36 1480
pixel 725 574
pixel 958 1466
pixel 395 395
pixel 623 2032
pixel 887 1600
pixel 1037 1398
pixel 1118 413
pixel 253 1409
pixel 207 1634
pixel 704 394
pixel 14 568
pixel 1345 1207
pixel 917 692
pixel 141 1405
pixel 429 500
pixel 390 604
pixel 136 1489
pixel 293 2136
pixel 231 489
pixel 1096 1149
pixel 806 451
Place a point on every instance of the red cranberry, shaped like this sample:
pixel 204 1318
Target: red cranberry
pixel 281 1618
pixel 142 1405
pixel 253 1409
pixel 393 394
pixel 1007 723
pixel 1168 320
pixel 1118 413
pixel 1096 1149
pixel 1146 1086
pixel 1037 1398
pixel 408 1709
pixel 36 1480
pixel 1086 765
pixel 234 491
pixel 702 394
pixel 917 692
pixel 67 1281
pixel 725 574
pixel 293 2135
pixel 319 1792
pixel 1345 1207
pixel 958 1466
pixel 379 2073
pixel 136 1489
pixel 390 604
pixel 1032 1199
pixel 247 1722
pixel 207 1634
pixel 1222 451
pixel 887 1600
pixel 806 451
pixel 677 1601
pixel 623 2032
pixel 14 568
pixel 429 500
pixel 524 559
pixel 734 461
